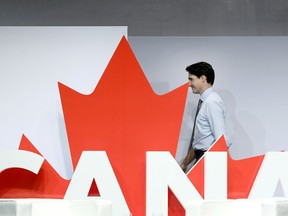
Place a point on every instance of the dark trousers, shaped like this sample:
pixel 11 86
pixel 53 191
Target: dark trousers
pixel 198 154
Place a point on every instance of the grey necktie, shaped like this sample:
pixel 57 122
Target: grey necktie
pixel 193 131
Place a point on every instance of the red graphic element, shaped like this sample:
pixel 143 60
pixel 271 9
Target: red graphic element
pixel 19 183
pixel 94 191
pixel 241 176
pixel 241 173
pixel 125 118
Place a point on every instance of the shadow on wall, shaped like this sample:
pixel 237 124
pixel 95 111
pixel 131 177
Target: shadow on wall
pixel 244 131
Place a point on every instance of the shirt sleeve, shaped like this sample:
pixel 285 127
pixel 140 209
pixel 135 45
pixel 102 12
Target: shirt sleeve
pixel 216 118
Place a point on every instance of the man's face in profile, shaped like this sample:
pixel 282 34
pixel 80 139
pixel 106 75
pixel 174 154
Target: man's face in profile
pixel 195 83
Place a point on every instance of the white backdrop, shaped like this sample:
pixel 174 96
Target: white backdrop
pixel 251 74
pixel 32 61
pixel 251 77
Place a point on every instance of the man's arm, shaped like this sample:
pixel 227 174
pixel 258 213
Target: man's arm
pixel 216 118
pixel 187 160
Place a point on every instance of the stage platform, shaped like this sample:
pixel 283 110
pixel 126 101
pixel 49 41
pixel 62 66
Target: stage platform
pixel 54 207
pixel 239 207
pixel 59 207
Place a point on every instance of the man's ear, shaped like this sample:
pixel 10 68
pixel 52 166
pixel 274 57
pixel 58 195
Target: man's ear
pixel 203 78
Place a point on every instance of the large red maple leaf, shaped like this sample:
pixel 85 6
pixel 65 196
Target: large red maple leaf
pixel 125 118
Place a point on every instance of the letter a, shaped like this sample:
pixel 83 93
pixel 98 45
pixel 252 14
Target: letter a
pixel 273 170
pixel 95 165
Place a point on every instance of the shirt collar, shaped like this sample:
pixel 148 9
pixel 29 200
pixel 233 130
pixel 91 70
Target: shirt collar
pixel 206 93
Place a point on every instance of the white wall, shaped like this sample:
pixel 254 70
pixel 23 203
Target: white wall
pixel 32 61
pixel 251 76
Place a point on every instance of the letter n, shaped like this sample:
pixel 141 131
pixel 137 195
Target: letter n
pixel 163 172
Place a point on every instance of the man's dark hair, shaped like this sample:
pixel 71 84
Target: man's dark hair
pixel 202 68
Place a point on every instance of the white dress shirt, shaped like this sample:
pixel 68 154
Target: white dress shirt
pixel 210 121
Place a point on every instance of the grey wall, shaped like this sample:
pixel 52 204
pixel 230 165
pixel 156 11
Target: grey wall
pixel 156 17
pixel 251 78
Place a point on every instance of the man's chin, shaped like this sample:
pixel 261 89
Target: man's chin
pixel 195 92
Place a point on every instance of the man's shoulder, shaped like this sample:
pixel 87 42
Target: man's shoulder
pixel 214 101
pixel 214 97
